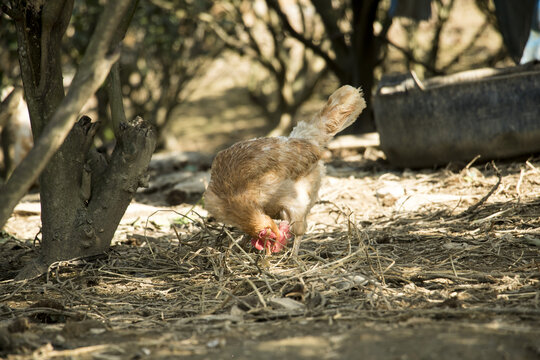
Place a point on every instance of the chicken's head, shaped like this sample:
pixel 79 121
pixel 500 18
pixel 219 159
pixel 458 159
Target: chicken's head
pixel 273 240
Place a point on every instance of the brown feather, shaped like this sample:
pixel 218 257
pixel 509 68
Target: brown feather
pixel 249 179
pixel 257 180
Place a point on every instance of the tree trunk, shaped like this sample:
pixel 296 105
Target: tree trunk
pixel 102 192
pixel 362 60
pixel 83 195
pixel 354 63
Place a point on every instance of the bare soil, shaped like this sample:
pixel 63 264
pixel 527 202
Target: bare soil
pixel 397 264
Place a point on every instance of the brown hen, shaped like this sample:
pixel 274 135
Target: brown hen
pixel 258 180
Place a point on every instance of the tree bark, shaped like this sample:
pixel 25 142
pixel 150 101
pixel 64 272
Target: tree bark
pixel 52 115
pixel 105 189
pixel 83 195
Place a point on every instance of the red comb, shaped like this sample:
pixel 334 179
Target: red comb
pixel 268 237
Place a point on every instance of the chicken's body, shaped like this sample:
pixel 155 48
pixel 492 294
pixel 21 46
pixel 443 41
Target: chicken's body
pixel 258 180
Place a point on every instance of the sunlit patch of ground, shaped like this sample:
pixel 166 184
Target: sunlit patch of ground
pixel 392 259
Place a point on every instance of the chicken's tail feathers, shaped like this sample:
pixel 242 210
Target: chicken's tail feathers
pixel 341 110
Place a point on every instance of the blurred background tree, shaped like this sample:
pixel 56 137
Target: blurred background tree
pixel 286 72
pixel 297 51
pixel 9 77
pixel 9 62
pixel 167 48
pixel 164 49
pixel 83 193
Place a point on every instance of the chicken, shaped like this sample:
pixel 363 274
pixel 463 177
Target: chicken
pixel 258 180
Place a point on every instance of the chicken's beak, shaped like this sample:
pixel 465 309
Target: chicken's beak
pixel 276 231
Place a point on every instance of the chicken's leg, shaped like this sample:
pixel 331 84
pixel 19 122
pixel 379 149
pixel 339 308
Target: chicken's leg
pixel 298 229
pixel 296 246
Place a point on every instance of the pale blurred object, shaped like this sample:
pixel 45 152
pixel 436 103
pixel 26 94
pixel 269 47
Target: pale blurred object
pixel 16 133
pixel 532 47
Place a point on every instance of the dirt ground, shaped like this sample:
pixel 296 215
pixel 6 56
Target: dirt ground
pixel 397 264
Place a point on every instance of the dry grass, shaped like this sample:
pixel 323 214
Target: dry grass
pixel 440 262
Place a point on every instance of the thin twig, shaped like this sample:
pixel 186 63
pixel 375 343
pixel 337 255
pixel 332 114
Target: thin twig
pixel 417 80
pixel 467 167
pixel 475 206
pixel 259 295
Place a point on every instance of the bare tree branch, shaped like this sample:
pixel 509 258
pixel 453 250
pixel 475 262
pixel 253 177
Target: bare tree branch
pixel 443 16
pixel 261 58
pixel 276 45
pixel 114 86
pixel 116 101
pixel 93 69
pixel 469 46
pixel 412 58
pixel 330 21
pixel 273 4
pixel 50 14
